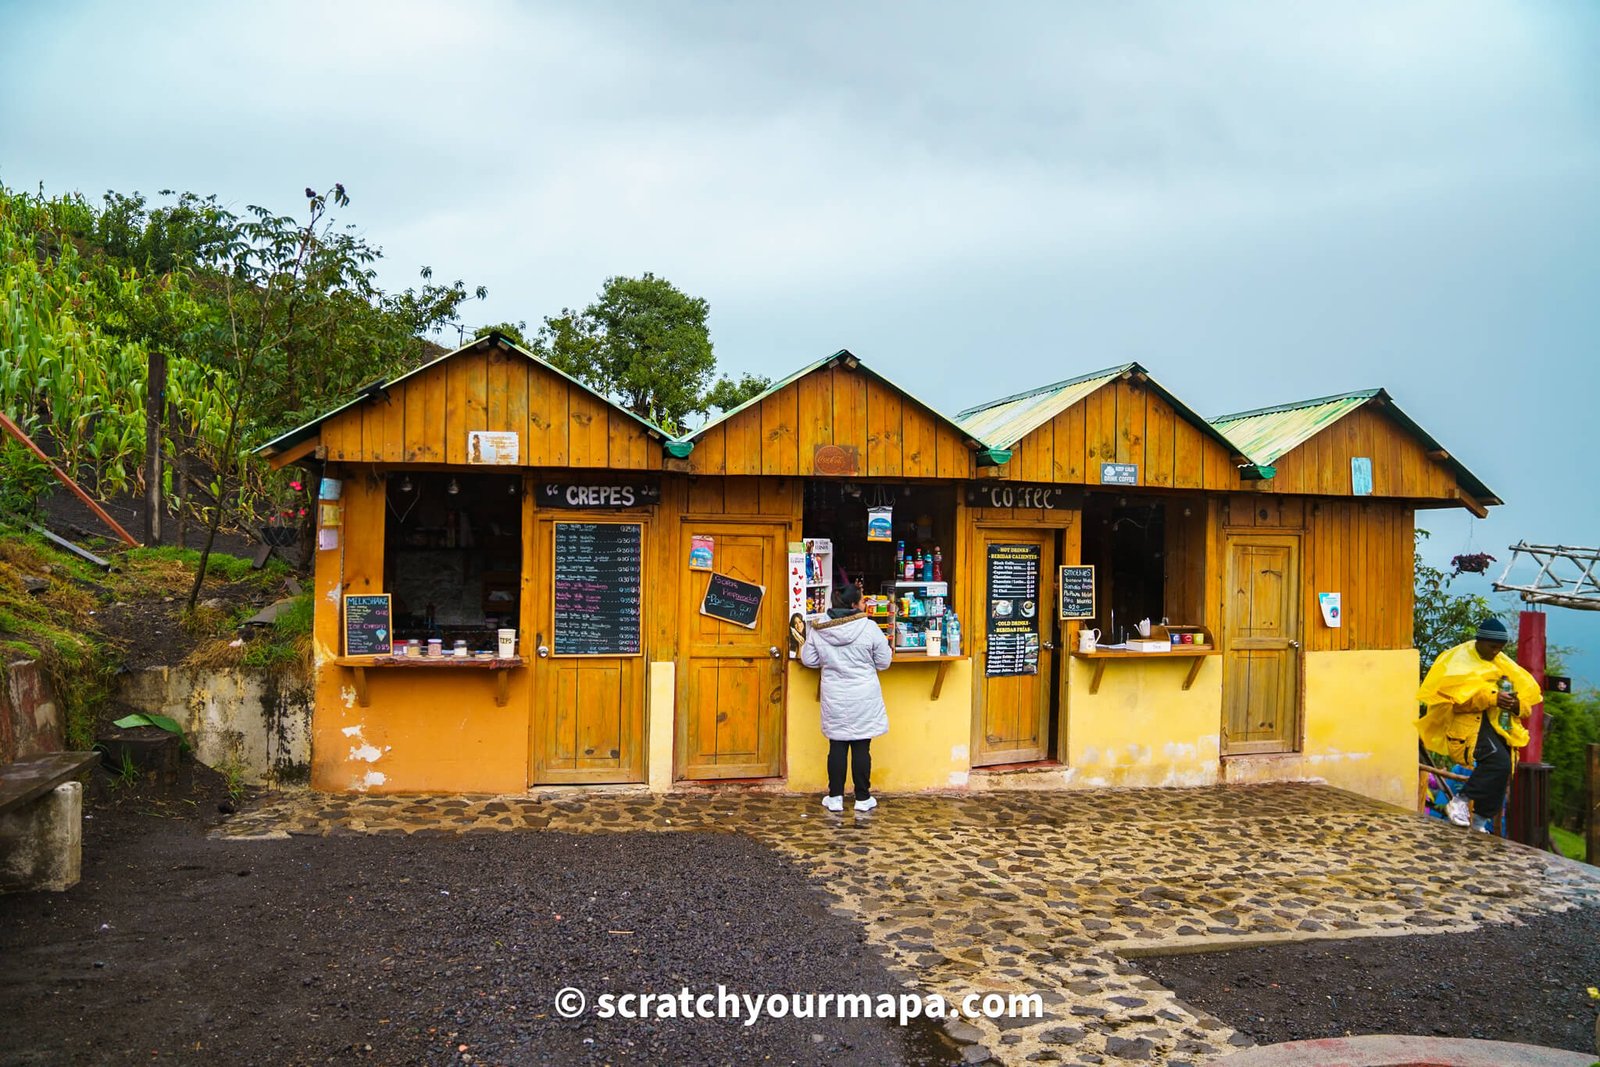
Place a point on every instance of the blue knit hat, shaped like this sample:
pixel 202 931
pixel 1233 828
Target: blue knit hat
pixel 1492 629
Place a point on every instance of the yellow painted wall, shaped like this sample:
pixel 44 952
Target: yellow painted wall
pixel 1360 732
pixel 925 748
pixel 1142 728
pixel 659 732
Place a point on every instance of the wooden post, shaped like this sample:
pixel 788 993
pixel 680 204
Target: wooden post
pixel 1531 654
pixel 1592 818
pixel 155 404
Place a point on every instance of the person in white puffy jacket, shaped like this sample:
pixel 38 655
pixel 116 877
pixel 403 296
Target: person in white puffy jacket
pixel 850 650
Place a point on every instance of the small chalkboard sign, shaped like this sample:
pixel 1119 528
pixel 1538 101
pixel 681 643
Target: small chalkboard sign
pixel 733 601
pixel 1075 592
pixel 367 627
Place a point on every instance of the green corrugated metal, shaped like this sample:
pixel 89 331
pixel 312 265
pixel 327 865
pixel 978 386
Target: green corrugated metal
pixel 1002 423
pixel 1266 434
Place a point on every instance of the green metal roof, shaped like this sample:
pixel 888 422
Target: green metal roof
pixel 286 441
pixel 1002 423
pixel 1266 434
pixel 844 354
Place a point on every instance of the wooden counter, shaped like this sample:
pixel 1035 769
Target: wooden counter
pixel 1101 656
pixel 502 669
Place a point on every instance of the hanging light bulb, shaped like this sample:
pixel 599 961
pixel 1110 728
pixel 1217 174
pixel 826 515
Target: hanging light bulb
pixel 511 487
pixel 405 483
pixel 452 488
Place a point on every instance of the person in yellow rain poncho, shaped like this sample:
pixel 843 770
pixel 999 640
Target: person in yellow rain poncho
pixel 1477 701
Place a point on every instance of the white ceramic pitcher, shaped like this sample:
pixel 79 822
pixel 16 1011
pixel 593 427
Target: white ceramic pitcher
pixel 1088 637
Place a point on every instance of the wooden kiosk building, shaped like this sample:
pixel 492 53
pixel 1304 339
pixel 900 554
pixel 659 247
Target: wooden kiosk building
pixel 645 586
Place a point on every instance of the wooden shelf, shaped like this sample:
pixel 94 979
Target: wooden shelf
pixel 1102 656
pixel 502 668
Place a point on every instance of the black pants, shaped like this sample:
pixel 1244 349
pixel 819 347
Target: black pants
pixel 1491 772
pixel 860 756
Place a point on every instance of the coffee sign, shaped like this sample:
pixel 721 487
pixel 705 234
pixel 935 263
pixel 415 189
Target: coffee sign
pixel 1119 474
pixel 579 495
pixel 1015 495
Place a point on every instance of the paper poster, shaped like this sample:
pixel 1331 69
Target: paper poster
pixel 1329 602
pixel 880 524
pixel 1360 476
pixel 702 549
pixel 328 538
pixel 492 447
pixel 330 514
pixel 330 489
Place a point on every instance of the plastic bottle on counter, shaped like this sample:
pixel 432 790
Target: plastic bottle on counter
pixel 938 564
pixel 952 638
pixel 909 573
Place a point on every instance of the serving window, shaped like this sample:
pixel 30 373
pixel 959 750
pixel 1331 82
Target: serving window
pixel 453 556
pixel 896 543
pixel 1149 557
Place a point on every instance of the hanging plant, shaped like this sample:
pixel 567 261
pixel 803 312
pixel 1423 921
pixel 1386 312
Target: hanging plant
pixel 1471 562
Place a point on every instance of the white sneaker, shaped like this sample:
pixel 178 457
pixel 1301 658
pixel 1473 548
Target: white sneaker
pixel 867 804
pixel 1456 811
pixel 833 803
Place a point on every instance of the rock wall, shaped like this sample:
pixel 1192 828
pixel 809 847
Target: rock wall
pixel 256 721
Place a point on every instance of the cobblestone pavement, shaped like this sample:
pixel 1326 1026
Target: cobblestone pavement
pixel 1051 893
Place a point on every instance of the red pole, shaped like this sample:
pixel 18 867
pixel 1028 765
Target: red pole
pixel 1530 653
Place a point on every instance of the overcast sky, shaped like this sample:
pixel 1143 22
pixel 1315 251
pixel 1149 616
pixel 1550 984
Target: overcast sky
pixel 1261 202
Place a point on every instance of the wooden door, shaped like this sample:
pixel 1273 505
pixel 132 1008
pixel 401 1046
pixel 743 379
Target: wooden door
pixel 1261 644
pixel 730 677
pixel 1011 716
pixel 587 719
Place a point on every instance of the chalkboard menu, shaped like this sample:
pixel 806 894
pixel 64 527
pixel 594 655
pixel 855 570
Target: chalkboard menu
pixel 367 629
pixel 597 588
pixel 1013 599
pixel 1075 591
pixel 733 601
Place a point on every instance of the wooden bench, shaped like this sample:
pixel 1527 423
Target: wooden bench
pixel 41 821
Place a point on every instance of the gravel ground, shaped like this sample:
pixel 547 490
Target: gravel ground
pixel 1522 983
pixel 433 948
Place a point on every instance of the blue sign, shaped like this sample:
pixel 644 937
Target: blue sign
pixel 1361 476
pixel 1119 474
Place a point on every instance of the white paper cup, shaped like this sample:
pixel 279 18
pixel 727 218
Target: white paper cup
pixel 508 643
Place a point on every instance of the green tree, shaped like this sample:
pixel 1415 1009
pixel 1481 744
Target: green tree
pixel 1571 725
pixel 515 332
pixel 1440 618
pixel 644 343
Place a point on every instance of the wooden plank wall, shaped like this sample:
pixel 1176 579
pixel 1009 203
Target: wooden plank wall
pixel 1320 466
pixel 778 499
pixel 427 417
pixel 895 437
pixel 1362 549
pixel 1122 422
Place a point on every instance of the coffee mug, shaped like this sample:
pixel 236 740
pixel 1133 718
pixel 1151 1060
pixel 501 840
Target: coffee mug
pixel 1087 638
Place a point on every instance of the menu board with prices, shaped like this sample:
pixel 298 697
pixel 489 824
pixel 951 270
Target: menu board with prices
pixel 367 629
pixel 598 585
pixel 1013 615
pixel 1075 590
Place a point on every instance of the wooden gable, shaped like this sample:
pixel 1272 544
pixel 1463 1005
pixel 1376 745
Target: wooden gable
pixel 426 416
pixel 837 403
pixel 1401 465
pixel 1125 420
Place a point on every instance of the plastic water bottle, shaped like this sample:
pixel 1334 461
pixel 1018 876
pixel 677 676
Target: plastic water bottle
pixel 1505 713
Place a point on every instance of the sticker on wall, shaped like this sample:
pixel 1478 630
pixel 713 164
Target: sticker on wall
pixel 330 489
pixel 1361 475
pixel 328 538
pixel 493 447
pixel 880 524
pixel 1329 603
pixel 330 514
pixel 702 549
